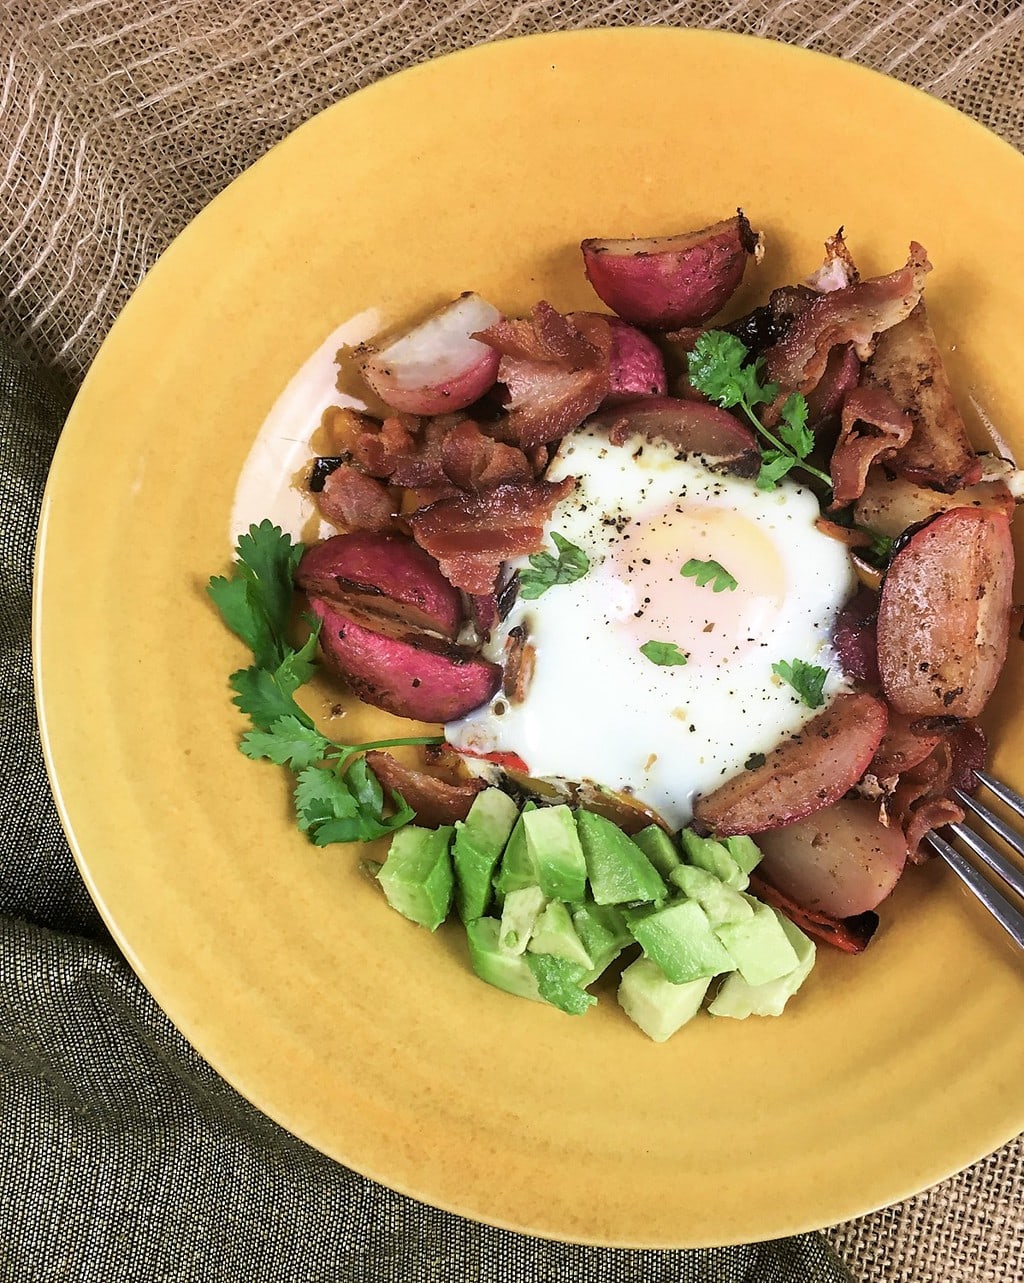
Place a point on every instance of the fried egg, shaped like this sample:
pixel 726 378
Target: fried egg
pixel 596 707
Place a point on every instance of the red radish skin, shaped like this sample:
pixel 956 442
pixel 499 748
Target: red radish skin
pixel 412 676
pixel 636 366
pixel 671 281
pixel 437 367
pixel 382 574
pixel 691 427
pixel 806 773
pixel 841 861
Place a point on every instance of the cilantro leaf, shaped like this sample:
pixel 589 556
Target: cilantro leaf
pixel 707 571
pixel 266 696
pixel 720 367
pixel 331 807
pixel 807 680
pixel 255 602
pixel 665 654
pixel 571 564
pixel 881 546
pixel 366 787
pixel 287 743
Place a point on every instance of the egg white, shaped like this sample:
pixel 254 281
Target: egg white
pixel 596 709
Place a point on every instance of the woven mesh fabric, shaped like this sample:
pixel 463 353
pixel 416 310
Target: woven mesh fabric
pixel 119 120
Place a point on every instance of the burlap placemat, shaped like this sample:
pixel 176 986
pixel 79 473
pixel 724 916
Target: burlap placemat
pixel 120 119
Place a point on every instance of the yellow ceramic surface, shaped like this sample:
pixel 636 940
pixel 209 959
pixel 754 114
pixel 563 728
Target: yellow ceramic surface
pixel 357 1031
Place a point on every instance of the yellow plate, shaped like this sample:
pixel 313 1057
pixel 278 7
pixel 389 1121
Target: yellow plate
pixel 367 1036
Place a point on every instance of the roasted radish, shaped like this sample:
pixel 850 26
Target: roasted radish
pixel 944 615
pixel 437 366
pixel 673 280
pixel 414 675
pixel 890 505
pixel 806 773
pixel 636 366
pixel 841 861
pixel 691 427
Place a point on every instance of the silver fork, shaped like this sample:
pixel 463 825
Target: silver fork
pixel 1002 909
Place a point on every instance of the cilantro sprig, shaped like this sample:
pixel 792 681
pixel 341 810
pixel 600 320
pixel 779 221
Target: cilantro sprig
pixel 571 564
pixel 337 796
pixel 808 680
pixel 719 367
pixel 665 654
pixel 709 572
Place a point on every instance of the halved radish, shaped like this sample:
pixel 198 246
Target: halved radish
pixel 691 427
pixel 672 280
pixel 636 365
pixel 841 860
pixel 437 367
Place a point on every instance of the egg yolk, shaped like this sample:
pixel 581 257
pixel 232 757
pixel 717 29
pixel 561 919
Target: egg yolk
pixel 658 603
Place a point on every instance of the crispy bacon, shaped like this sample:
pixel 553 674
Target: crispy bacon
pixel 556 371
pixel 873 428
pixel 475 461
pixel 852 935
pixel 471 535
pixel 921 801
pixel 854 314
pixel 970 752
pixel 379 446
pixel 841 375
pixel 907 363
pixel 838 270
pixel 435 801
pixel 352 500
pixel 905 744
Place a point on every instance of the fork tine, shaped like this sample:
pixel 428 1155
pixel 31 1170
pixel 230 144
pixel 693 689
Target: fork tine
pixel 1002 791
pixel 995 860
pixel 1007 915
pixel 1009 836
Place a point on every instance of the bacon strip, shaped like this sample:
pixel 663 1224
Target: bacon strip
pixel 474 461
pixel 352 500
pixel 872 428
pixel 435 801
pixel 557 372
pixel 907 364
pixel 471 535
pixel 854 314
pixel 852 935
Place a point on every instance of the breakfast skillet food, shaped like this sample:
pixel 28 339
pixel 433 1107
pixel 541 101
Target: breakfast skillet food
pixel 670 588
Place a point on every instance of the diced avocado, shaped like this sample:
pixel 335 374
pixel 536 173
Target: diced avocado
pixel 744 851
pixel 417 875
pixel 738 999
pixel 653 1002
pixel 516 870
pixel 555 934
pixel 555 852
pixel 718 900
pixel 759 946
pixel 495 966
pixel 708 854
pixel 603 933
pixel 659 849
pixel 680 939
pixel 479 842
pixel 619 872
pixel 519 917
pixel 561 982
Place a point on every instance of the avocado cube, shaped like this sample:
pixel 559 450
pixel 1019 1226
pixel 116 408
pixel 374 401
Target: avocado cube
pixel 739 999
pixel 417 874
pixel 745 851
pixel 654 1003
pixel 759 946
pixel 519 917
pixel 718 900
pixel 516 869
pixel 554 849
pixel 708 854
pixel 479 842
pixel 659 849
pixel 561 982
pixel 619 871
pixel 603 933
pixel 555 934
pixel 497 968
pixel 680 939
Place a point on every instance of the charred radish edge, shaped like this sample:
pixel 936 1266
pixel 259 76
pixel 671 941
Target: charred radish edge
pixel 851 935
pixel 436 367
pixel 690 427
pixel 944 614
pixel 671 281
pixel 804 774
pixel 416 675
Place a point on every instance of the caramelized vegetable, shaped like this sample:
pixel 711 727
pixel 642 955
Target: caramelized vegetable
pixel 690 427
pixel 944 615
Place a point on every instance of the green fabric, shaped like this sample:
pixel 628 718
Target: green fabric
pixel 124 1156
